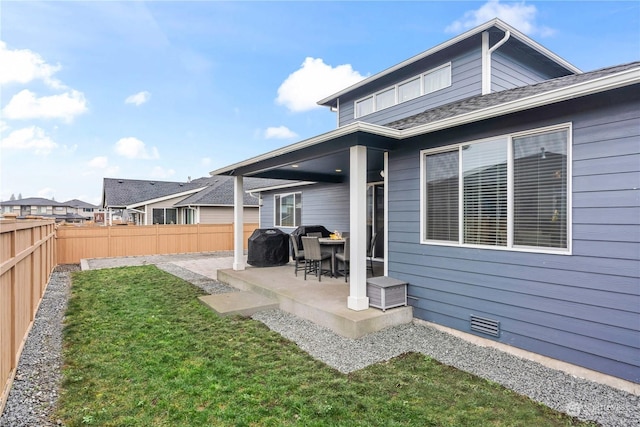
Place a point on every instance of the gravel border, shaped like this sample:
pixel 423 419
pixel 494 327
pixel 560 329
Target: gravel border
pixel 35 387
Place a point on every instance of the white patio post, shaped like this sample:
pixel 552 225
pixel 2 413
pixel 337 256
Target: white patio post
pixel 238 224
pixel 358 299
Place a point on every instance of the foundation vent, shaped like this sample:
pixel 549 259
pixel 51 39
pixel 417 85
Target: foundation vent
pixel 485 326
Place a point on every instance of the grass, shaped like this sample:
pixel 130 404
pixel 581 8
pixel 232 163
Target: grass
pixel 140 350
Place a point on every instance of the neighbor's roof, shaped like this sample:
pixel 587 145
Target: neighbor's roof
pixel 79 204
pixel 494 23
pixel 33 201
pixel 126 192
pixel 219 191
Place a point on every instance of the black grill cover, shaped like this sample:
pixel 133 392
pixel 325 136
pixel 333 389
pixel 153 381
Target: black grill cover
pixel 304 229
pixel 268 247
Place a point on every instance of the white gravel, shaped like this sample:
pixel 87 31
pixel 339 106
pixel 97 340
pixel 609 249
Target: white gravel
pixel 35 388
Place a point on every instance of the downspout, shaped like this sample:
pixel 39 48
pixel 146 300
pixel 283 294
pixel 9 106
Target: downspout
pixel 259 197
pixel 486 59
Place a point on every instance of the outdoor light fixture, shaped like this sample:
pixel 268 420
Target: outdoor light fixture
pixel 338 170
pixel 295 166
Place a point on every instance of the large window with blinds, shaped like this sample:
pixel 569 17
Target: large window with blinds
pixel 506 192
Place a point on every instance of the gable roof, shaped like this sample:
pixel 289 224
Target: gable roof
pixel 79 204
pixel 119 193
pixel 219 191
pixel 524 41
pixel 33 201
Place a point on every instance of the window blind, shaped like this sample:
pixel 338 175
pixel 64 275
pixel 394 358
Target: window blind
pixel 484 168
pixel 540 190
pixel 442 196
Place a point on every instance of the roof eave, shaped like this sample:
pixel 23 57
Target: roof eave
pixel 163 198
pixel 341 131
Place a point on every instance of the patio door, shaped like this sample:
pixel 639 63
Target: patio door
pixel 375 216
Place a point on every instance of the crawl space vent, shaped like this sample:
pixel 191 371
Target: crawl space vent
pixel 485 326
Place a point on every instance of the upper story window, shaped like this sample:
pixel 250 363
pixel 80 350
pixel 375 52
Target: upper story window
pixel 510 191
pixel 288 209
pixel 431 81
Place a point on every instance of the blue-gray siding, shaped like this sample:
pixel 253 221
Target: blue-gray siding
pixel 582 308
pixel 322 204
pixel 466 81
pixel 507 73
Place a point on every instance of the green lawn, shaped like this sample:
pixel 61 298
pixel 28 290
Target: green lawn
pixel 140 350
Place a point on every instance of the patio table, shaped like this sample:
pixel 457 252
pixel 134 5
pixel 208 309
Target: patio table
pixel 333 244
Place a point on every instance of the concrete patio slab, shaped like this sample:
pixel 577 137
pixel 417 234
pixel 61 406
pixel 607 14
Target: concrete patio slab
pixel 241 303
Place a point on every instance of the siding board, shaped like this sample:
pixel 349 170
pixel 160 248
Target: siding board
pixel 581 307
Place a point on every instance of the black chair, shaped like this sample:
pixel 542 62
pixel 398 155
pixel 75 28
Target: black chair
pixel 298 255
pixel 370 251
pixel 344 258
pixel 313 257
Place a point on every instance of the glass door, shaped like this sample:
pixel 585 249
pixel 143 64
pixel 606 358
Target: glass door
pixel 375 217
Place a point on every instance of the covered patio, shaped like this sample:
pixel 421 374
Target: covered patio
pixel 354 155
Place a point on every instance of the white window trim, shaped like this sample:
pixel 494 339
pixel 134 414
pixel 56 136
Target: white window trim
pixel 277 221
pixel 510 232
pixel 164 216
pixel 395 87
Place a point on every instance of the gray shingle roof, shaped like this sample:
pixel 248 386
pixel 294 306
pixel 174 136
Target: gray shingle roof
pixel 79 204
pixel 126 192
pixel 33 201
pixel 216 191
pixel 480 102
pixel 220 191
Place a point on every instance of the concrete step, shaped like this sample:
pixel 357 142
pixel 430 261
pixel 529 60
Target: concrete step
pixel 243 303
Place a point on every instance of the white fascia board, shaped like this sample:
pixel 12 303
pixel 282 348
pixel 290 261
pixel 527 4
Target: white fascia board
pixel 472 32
pixel 163 198
pixel 279 187
pixel 590 87
pixel 319 139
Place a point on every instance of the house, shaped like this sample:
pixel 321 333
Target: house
pixel 83 209
pixel 505 184
pixel 41 207
pixel 200 201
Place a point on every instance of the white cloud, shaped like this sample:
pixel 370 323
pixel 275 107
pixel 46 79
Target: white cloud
pixel 313 81
pixel 133 148
pixel 100 164
pixel 160 172
pixel 32 138
pixel 280 132
pixel 138 98
pixel 205 161
pixel 26 66
pixel 518 15
pixel 66 106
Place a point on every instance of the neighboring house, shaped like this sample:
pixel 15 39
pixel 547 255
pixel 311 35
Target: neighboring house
pixel 504 184
pixel 37 206
pixel 83 209
pixel 200 201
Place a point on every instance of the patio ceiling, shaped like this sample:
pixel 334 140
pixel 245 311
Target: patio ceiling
pixel 325 162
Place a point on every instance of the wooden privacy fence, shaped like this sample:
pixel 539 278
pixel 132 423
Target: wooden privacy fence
pixel 28 257
pixel 75 243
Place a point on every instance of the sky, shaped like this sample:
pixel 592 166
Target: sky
pixel 168 90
